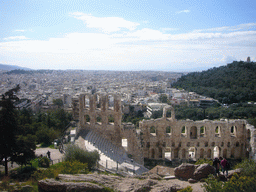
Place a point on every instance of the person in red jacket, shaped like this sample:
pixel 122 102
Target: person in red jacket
pixel 224 167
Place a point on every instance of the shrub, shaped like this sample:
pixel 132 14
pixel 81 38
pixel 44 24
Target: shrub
pixel 45 173
pixel 243 184
pixel 44 162
pixel 74 153
pixel 236 183
pixel 187 189
pixel 248 167
pixel 202 161
pixel 22 173
pixel 213 185
pixel 74 167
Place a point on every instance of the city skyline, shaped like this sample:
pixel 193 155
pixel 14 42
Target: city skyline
pixel 126 35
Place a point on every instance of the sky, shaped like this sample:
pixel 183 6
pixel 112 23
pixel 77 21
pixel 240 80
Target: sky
pixel 162 35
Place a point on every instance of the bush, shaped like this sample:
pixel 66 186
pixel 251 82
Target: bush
pixel 236 183
pixel 202 161
pixel 22 173
pixel 74 153
pixel 187 189
pixel 248 167
pixel 213 185
pixel 45 173
pixel 74 167
pixel 243 183
pixel 44 162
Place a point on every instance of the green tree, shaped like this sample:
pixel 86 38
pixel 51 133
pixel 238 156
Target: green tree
pixel 58 102
pixel 74 153
pixel 25 149
pixel 8 125
pixel 163 98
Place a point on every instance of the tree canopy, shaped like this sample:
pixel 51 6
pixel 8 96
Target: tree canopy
pixel 232 83
pixel 14 147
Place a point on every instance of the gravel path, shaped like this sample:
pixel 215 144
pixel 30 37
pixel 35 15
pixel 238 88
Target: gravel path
pixel 55 154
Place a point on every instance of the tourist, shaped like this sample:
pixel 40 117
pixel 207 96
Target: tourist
pixel 216 164
pixel 49 154
pixel 224 166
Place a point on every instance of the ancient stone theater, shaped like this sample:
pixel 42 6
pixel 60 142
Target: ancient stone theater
pixel 166 137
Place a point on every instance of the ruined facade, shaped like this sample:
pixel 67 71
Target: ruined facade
pixel 166 137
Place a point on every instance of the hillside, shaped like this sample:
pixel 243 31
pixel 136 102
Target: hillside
pixel 233 83
pixel 11 67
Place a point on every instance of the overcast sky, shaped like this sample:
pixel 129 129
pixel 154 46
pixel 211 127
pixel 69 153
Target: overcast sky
pixel 164 35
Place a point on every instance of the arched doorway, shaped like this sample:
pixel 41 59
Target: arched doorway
pixel 201 153
pixel 125 144
pixel 209 154
pixel 192 152
pixel 183 153
pixel 168 153
pixel 216 152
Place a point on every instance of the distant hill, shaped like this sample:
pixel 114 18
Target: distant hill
pixel 11 67
pixel 233 83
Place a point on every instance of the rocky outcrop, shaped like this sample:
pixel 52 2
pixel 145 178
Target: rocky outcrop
pixel 51 185
pixel 186 171
pixel 97 182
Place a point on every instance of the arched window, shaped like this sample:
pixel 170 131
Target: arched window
pixel 168 129
pixel 87 119
pixel 217 131
pixel 184 131
pixel 202 131
pixel 153 130
pixel 233 131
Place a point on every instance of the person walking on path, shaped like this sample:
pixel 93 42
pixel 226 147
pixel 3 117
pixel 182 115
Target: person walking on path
pixel 216 164
pixel 49 154
pixel 224 165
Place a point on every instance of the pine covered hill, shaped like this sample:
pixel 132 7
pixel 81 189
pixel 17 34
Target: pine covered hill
pixel 233 83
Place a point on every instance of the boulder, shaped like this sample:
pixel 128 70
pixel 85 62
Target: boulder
pixel 203 171
pixel 232 172
pixel 184 171
pixel 51 185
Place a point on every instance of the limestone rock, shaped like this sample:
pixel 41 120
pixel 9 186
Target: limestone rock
pixel 184 171
pixel 51 185
pixel 155 177
pixel 203 171
pixel 232 172
pixel 192 180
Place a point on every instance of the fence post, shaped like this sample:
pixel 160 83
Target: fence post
pixel 106 164
pixel 116 166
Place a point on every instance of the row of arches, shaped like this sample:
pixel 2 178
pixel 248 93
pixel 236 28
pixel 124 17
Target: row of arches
pixel 98 102
pixel 109 119
pixel 193 131
pixel 194 153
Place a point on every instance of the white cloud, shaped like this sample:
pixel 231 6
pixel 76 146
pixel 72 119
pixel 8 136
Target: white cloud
pixel 127 50
pixel 15 38
pixel 148 34
pixel 183 11
pixel 106 24
pixel 245 26
pixel 20 30
pixel 169 29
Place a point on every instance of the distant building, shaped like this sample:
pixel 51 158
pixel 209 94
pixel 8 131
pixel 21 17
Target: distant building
pixel 248 59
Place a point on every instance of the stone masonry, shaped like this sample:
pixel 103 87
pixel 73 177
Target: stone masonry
pixel 180 139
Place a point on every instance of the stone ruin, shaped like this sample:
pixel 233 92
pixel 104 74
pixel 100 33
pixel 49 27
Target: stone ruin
pixel 166 137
